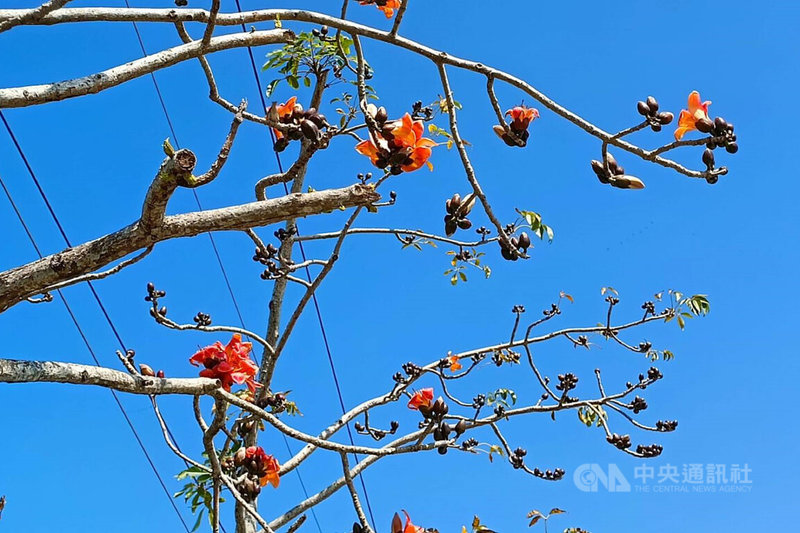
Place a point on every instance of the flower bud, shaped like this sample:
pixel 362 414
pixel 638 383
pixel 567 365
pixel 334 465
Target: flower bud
pixel 708 158
pixel 145 370
pixel 642 108
pixel 665 117
pixel 652 103
pixel 704 125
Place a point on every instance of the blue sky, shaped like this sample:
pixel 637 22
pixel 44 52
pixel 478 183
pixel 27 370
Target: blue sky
pixel 69 461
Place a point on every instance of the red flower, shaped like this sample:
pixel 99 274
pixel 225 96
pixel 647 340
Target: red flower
pixel 263 465
pixel 387 6
pixel 397 525
pixel 230 364
pixel 521 117
pixel 422 398
pixel 285 112
pixel 455 364
pixel 696 114
pixel 400 145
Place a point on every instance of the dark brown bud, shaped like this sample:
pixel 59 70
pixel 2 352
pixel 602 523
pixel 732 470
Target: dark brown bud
pixel 160 374
pixel 598 169
pixel 461 427
pixel 665 117
pixel 627 182
pixel 464 223
pixel 524 240
pixel 652 103
pixel 310 130
pixel 381 116
pixel 732 148
pixel 704 125
pixel 642 108
pixel 708 158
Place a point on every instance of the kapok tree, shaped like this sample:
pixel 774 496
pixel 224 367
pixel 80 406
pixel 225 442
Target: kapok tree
pixel 321 51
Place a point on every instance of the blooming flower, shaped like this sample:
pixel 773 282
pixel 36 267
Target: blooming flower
pixel 521 117
pixel 397 525
pixel 689 119
pixel 400 145
pixel 230 364
pixel 455 364
pixel 387 6
pixel 266 466
pixel 285 112
pixel 422 398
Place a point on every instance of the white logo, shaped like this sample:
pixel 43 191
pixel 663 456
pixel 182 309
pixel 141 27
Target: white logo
pixel 589 477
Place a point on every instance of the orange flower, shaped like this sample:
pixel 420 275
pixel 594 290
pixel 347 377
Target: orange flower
pixel 263 465
pixel 422 398
pixel 284 113
pixel 400 146
pixel 397 525
pixel 387 6
pixel 688 119
pixel 230 364
pixel 271 476
pixel 455 364
pixel 521 117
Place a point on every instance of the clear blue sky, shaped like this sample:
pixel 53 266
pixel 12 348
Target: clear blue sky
pixel 70 463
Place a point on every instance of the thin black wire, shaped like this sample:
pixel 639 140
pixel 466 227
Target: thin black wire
pixel 83 335
pixel 214 247
pixel 308 276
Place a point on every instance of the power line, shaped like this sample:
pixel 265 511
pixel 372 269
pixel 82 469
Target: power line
pixel 308 276
pixel 82 334
pixel 222 268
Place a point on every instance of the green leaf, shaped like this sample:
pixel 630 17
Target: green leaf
pixel 199 519
pixel 292 81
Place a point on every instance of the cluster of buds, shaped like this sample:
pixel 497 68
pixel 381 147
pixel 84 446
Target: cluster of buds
pixel 653 374
pixel 264 255
pixel 516 133
pixel 722 137
pixel 638 404
pixel 396 145
pixel 653 450
pixel 666 425
pixel 549 475
pixel 612 173
pixel 377 434
pixel 517 458
pixel 309 123
pixel 469 443
pixel 567 382
pixel 645 346
pixel 520 243
pixel 649 308
pixel 152 296
pixel 479 401
pixel 623 442
pixel 420 112
pixel 258 468
pixel 649 110
pixel 282 233
pixel 457 211
pixel 202 319
pixel 276 402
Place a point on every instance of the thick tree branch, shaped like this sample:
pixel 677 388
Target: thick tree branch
pixel 15 371
pixel 52 92
pixel 18 283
